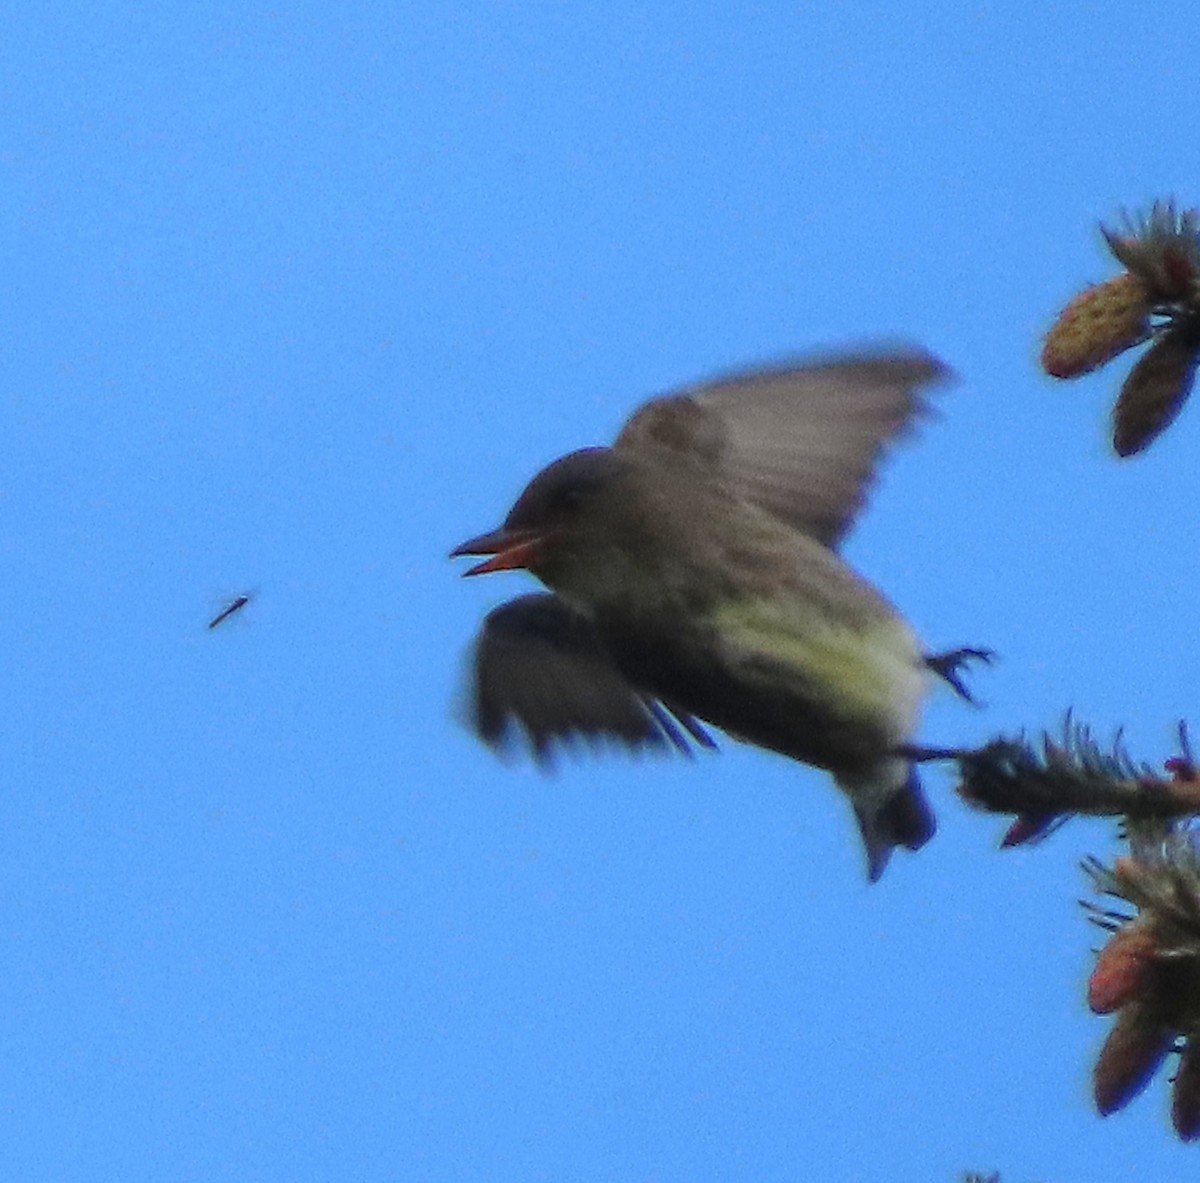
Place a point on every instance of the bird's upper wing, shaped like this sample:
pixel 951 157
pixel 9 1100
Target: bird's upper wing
pixel 539 673
pixel 801 441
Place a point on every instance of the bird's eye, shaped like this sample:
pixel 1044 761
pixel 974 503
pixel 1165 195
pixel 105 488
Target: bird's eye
pixel 569 499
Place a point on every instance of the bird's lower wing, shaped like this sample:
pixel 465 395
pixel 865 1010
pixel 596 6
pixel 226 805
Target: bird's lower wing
pixel 542 679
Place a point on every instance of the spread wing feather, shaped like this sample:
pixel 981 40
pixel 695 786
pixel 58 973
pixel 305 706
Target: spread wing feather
pixel 540 677
pixel 800 441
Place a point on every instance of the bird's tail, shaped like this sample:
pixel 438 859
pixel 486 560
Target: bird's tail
pixel 891 809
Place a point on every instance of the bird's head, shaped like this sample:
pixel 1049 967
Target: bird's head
pixel 560 514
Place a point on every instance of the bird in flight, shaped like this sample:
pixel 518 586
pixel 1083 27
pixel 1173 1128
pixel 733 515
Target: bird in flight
pixel 694 578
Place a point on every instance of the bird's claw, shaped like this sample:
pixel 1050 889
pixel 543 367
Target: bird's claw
pixel 949 666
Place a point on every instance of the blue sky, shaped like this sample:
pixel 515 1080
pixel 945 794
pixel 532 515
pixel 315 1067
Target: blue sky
pixel 296 298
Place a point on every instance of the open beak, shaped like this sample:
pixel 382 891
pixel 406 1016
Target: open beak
pixel 510 550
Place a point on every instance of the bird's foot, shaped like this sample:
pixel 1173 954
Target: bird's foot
pixel 949 666
pixel 920 754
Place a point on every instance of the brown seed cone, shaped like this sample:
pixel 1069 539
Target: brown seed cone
pixel 1124 968
pixel 1135 1048
pixel 1156 389
pixel 1185 1099
pixel 1101 322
